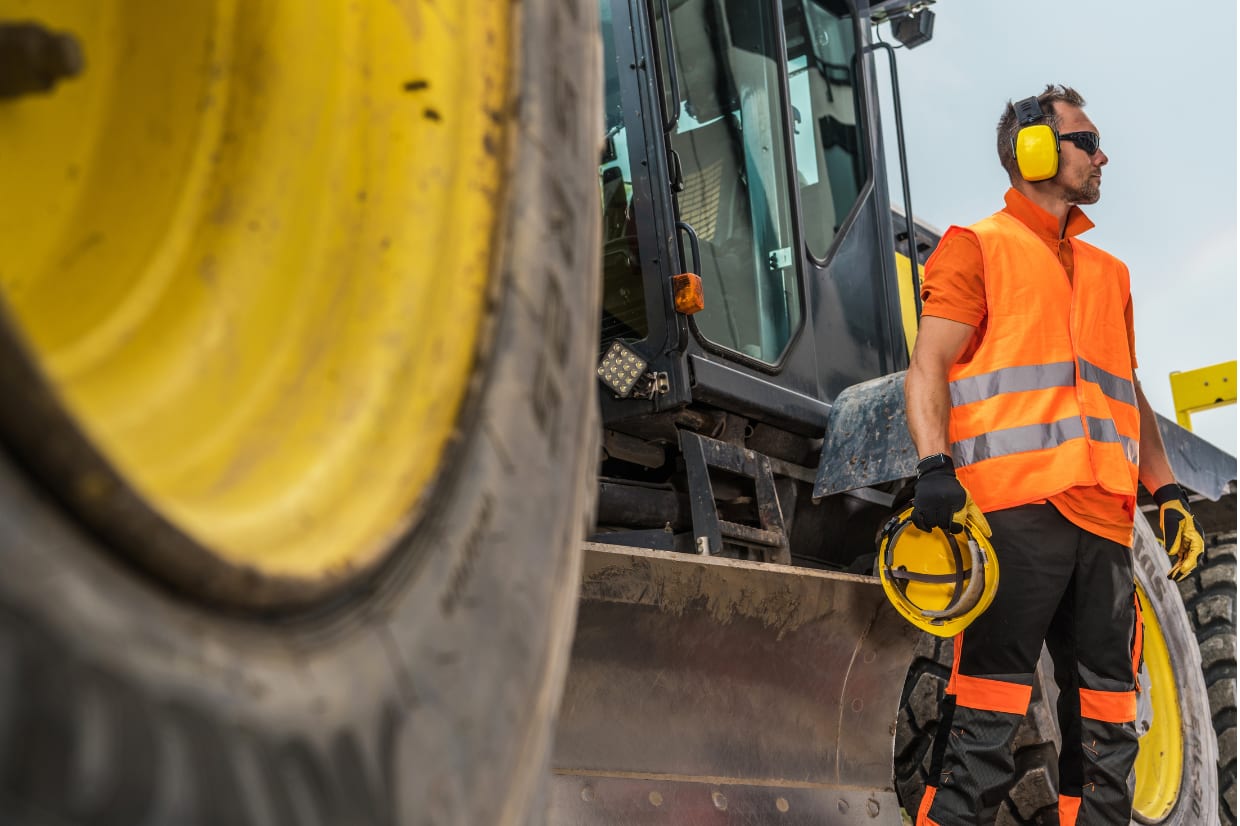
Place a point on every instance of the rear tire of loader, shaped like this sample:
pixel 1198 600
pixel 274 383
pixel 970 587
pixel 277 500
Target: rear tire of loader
pixel 1032 799
pixel 1209 595
pixel 425 693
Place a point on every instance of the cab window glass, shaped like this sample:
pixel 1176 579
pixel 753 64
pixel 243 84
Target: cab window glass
pixel 624 298
pixel 828 142
pixel 730 141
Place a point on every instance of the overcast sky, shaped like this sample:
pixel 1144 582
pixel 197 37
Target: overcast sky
pixel 1159 80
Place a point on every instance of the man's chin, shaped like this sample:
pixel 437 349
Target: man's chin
pixel 1086 197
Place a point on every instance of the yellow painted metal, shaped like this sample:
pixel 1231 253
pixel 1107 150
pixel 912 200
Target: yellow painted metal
pixel 908 307
pixel 1202 389
pixel 250 246
pixel 1160 760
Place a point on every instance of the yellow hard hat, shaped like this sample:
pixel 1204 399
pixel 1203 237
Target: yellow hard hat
pixel 938 581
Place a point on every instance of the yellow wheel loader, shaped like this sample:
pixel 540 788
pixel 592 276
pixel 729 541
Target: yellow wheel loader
pixel 482 412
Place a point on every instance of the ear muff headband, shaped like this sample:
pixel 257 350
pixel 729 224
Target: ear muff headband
pixel 1028 111
pixel 1036 146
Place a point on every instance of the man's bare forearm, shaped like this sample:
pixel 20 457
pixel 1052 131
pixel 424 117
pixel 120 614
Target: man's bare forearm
pixel 927 401
pixel 928 407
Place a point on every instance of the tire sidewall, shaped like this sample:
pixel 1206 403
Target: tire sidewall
pixel 122 702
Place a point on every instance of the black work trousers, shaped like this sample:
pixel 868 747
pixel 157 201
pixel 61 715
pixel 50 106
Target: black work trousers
pixel 1075 590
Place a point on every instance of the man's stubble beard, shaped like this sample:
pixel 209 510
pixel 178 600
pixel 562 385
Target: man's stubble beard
pixel 1087 193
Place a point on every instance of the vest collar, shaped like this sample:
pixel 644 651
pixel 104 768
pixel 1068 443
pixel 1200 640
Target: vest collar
pixel 1043 224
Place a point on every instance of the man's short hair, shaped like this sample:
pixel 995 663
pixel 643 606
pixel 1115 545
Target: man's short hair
pixel 1008 126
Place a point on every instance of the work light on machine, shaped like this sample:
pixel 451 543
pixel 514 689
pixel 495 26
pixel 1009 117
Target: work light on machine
pixel 620 369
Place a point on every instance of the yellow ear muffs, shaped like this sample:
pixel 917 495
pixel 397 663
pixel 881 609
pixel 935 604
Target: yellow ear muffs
pixel 1036 146
pixel 1037 152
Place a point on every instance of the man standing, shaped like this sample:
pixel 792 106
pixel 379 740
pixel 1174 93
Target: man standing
pixel 1021 391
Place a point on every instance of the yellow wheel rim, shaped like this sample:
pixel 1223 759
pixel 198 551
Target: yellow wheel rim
pixel 1160 760
pixel 249 249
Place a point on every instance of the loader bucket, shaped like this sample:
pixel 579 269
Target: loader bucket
pixel 704 690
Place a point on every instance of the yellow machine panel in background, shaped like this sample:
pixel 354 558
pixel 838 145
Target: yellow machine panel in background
pixel 908 307
pixel 1205 388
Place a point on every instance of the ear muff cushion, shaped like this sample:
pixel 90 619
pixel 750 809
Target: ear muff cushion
pixel 1037 152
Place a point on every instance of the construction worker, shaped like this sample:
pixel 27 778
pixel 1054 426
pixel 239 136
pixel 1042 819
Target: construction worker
pixel 1021 395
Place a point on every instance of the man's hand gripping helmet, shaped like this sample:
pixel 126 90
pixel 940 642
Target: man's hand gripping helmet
pixel 939 581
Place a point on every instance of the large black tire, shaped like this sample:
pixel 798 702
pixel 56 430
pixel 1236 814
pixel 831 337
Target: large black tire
pixel 1210 597
pixel 1033 796
pixel 424 696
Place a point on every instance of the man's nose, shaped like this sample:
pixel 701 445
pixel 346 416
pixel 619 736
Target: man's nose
pixel 1100 158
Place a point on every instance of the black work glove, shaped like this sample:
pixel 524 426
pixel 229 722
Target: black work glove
pixel 1181 534
pixel 937 494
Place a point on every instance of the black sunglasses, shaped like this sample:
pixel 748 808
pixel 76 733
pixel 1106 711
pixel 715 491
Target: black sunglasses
pixel 1087 142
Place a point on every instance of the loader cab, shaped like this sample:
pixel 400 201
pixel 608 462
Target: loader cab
pixel 742 154
pixel 743 145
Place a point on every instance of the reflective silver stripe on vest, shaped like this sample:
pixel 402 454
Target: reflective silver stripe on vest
pixel 1012 380
pixel 1016 440
pixel 1030 437
pixel 1104 430
pixel 1116 387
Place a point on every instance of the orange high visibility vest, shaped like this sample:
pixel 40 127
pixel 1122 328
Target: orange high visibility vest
pixel 1047 401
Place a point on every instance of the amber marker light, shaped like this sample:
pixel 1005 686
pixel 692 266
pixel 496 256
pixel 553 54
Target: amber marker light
pixel 687 293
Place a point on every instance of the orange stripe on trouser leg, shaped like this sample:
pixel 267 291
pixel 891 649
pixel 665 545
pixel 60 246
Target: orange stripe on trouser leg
pixel 1138 643
pixel 992 695
pixel 923 811
pixel 1109 706
pixel 1069 806
pixel 951 681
